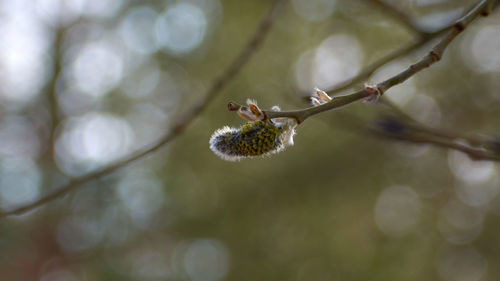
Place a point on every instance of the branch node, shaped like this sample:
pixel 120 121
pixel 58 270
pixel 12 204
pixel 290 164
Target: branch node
pixel 375 92
pixel 434 56
pixel 488 9
pixel 460 26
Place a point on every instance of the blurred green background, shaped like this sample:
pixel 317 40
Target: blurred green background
pixel 86 82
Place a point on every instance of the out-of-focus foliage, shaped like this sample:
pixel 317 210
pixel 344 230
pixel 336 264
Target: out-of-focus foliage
pixel 85 82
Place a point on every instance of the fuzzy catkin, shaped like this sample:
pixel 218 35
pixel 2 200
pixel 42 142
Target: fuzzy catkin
pixel 255 138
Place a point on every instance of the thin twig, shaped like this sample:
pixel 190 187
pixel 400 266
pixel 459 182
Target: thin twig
pixel 406 128
pixel 255 41
pixel 372 67
pixel 437 51
pixel 52 91
pixel 402 129
pixel 474 140
pixel 423 37
pixel 482 8
pixel 477 147
pixel 399 15
pixel 418 133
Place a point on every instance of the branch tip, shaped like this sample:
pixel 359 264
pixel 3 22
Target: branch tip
pixel 232 106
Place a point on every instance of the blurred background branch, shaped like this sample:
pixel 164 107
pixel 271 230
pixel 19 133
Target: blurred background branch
pixel 395 128
pixel 254 42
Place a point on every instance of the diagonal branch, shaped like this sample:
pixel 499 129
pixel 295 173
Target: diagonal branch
pixel 183 122
pixel 423 37
pixel 372 67
pixel 411 131
pixel 482 8
pixel 399 15
pixel 406 128
pixel 52 91
pixel 477 149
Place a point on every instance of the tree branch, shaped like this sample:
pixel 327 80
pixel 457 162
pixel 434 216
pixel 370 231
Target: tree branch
pixel 372 67
pixel 406 128
pixel 255 41
pixel 424 37
pixel 482 8
pixel 477 149
pixel 399 15
pixel 51 93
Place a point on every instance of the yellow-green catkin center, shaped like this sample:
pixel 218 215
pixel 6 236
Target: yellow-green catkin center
pixel 253 139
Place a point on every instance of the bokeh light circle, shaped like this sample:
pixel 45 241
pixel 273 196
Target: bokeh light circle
pixel 181 28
